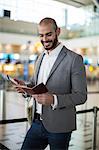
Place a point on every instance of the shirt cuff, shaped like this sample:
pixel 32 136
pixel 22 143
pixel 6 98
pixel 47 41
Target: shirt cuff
pixel 55 102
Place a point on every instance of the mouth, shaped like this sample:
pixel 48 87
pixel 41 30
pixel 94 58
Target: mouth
pixel 46 44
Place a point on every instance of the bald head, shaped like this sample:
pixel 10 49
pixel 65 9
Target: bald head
pixel 51 21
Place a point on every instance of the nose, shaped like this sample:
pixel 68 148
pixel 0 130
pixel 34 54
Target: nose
pixel 45 38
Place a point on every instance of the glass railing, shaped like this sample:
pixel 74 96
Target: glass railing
pixel 90 28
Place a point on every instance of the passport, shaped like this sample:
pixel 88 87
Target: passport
pixel 38 89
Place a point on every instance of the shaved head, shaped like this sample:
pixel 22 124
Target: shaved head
pixel 46 21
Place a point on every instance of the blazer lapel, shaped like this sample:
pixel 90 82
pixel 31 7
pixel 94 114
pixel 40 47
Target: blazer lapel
pixel 60 57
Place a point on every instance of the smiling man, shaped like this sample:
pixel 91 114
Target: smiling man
pixel 63 73
pixel 49 38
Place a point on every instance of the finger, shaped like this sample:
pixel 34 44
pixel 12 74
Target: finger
pixel 21 82
pixel 16 80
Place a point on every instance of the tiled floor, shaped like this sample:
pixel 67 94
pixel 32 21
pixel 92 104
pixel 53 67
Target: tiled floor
pixel 14 106
pixel 12 135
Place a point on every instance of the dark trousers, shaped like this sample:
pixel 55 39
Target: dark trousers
pixel 37 138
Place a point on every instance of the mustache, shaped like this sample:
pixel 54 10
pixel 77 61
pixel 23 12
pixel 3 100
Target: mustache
pixel 46 41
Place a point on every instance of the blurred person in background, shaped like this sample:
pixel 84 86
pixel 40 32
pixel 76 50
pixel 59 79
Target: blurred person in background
pixel 63 73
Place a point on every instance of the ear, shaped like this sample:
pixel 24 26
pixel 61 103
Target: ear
pixel 58 31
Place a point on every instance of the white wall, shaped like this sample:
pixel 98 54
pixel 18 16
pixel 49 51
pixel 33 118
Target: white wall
pixel 9 38
pixel 85 42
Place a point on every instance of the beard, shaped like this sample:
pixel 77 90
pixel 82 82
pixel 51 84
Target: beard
pixel 50 44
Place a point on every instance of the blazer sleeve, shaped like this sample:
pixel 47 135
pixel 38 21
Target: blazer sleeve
pixel 78 94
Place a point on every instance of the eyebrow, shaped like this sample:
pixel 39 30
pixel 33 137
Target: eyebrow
pixel 45 34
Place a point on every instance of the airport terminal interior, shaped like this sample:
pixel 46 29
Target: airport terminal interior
pixel 19 49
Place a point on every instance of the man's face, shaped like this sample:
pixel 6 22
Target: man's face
pixel 48 36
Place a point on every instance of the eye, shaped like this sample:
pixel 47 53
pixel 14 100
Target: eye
pixel 49 34
pixel 40 35
pixel 46 35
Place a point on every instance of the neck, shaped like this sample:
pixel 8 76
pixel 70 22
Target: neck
pixel 54 48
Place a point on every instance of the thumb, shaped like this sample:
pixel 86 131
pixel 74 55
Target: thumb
pixel 16 80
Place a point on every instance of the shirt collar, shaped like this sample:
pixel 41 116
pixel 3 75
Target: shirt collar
pixel 55 51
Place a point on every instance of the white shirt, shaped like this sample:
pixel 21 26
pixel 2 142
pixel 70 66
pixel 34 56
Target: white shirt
pixel 45 68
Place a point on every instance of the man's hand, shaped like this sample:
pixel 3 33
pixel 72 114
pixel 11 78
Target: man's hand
pixel 19 90
pixel 20 82
pixel 44 99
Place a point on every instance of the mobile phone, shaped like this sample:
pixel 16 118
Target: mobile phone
pixel 12 80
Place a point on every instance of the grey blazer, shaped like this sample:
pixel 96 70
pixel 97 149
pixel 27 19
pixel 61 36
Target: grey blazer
pixel 67 80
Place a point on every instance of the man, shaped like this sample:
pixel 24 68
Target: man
pixel 63 73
